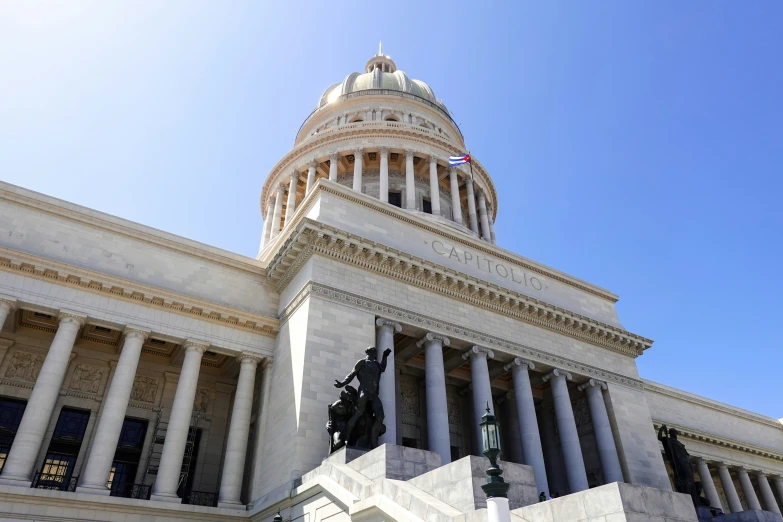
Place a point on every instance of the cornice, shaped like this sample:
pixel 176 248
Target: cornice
pixel 466 240
pixel 706 403
pixel 453 331
pixel 318 238
pixel 374 129
pixel 709 438
pixel 43 269
pixel 123 227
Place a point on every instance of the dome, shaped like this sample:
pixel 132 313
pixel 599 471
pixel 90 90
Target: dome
pixel 380 73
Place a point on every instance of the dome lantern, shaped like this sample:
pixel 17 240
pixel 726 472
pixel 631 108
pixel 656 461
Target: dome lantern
pixel 379 62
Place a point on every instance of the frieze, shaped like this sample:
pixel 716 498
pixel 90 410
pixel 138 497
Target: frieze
pixel 452 407
pixel 201 402
pixel 457 331
pixel 24 366
pixel 145 389
pixel 409 400
pixel 86 378
pixel 322 239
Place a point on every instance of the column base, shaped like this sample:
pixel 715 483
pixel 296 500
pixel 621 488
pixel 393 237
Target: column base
pixel 165 497
pixel 94 490
pixel 22 482
pixel 231 505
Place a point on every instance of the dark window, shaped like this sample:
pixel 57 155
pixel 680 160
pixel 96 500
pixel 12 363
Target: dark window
pixel 11 411
pixel 427 206
pixel 102 329
pixel 64 446
pixel 409 443
pixel 127 457
pixel 395 198
pixel 455 453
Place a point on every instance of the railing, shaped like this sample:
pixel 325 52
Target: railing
pixel 386 92
pixel 54 482
pixel 200 498
pixel 140 491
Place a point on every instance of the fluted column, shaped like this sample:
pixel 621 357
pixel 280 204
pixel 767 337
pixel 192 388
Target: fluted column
pixel 435 386
pixel 238 433
pixel 333 159
pixel 357 170
pixel 482 389
pixel 410 181
pixel 707 484
pixel 455 199
pixel 310 176
pixel 434 187
pixel 165 487
pixel 747 489
pixel 290 206
pixel 566 425
pixel 19 464
pixel 270 208
pixel 770 504
pixel 384 194
pixel 728 488
pixel 532 451
pixel 384 338
pixel 278 212
pixel 472 207
pixel 607 450
pixel 107 434
pixel 486 235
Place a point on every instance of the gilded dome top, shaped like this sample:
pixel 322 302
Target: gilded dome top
pixel 380 73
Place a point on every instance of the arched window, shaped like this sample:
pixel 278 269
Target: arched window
pixel 391 118
pixel 356 119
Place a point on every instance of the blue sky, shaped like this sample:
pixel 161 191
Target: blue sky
pixel 636 145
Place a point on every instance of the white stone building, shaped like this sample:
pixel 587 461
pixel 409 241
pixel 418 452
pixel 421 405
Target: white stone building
pixel 144 376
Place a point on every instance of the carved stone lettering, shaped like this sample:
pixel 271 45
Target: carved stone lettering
pixel 201 403
pixel 86 379
pixel 24 366
pixel 145 389
pixel 409 400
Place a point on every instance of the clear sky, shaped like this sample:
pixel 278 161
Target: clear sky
pixel 636 145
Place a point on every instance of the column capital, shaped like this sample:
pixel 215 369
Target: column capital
pixel 409 153
pixel 558 373
pixel 519 362
pixel 294 176
pixel 381 321
pixel 384 150
pixel 281 188
pixel 334 156
pixel 431 336
pixel 478 351
pixel 433 159
pixel 195 345
pixel 759 473
pixel 250 358
pixel 136 332
pixel 358 151
pixel 313 164
pixel 67 316
pixel 592 383
pixel 8 303
pixel 452 170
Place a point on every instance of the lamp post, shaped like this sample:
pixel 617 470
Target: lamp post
pixel 278 518
pixel 496 488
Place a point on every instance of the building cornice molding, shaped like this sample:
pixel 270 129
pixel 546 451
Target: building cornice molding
pixel 713 405
pixel 725 442
pixel 317 238
pixel 453 331
pixel 122 227
pixel 51 271
pixel 369 130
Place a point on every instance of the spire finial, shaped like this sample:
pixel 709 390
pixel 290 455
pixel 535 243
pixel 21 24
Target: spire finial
pixel 380 48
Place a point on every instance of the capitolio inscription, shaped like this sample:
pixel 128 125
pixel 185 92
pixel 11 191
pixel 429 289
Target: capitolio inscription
pixel 487 264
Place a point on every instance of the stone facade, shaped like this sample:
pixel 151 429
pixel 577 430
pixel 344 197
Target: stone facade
pixel 144 376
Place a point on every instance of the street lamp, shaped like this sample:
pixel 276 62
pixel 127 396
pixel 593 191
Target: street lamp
pixel 278 518
pixel 496 488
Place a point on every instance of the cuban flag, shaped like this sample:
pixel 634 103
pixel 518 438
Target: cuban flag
pixel 459 160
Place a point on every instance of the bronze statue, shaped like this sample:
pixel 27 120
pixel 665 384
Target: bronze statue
pixel 365 423
pixel 680 462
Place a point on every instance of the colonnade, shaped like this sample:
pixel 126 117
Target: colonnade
pixel 768 501
pixel 21 459
pixel 480 220
pixel 437 413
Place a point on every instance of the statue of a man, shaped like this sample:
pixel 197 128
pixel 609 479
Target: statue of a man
pixel 368 372
pixel 680 462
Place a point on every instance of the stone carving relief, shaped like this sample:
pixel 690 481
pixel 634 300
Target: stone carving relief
pixel 581 411
pixel 86 379
pixel 452 405
pixel 145 389
pixel 409 400
pixel 24 366
pixel 201 403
